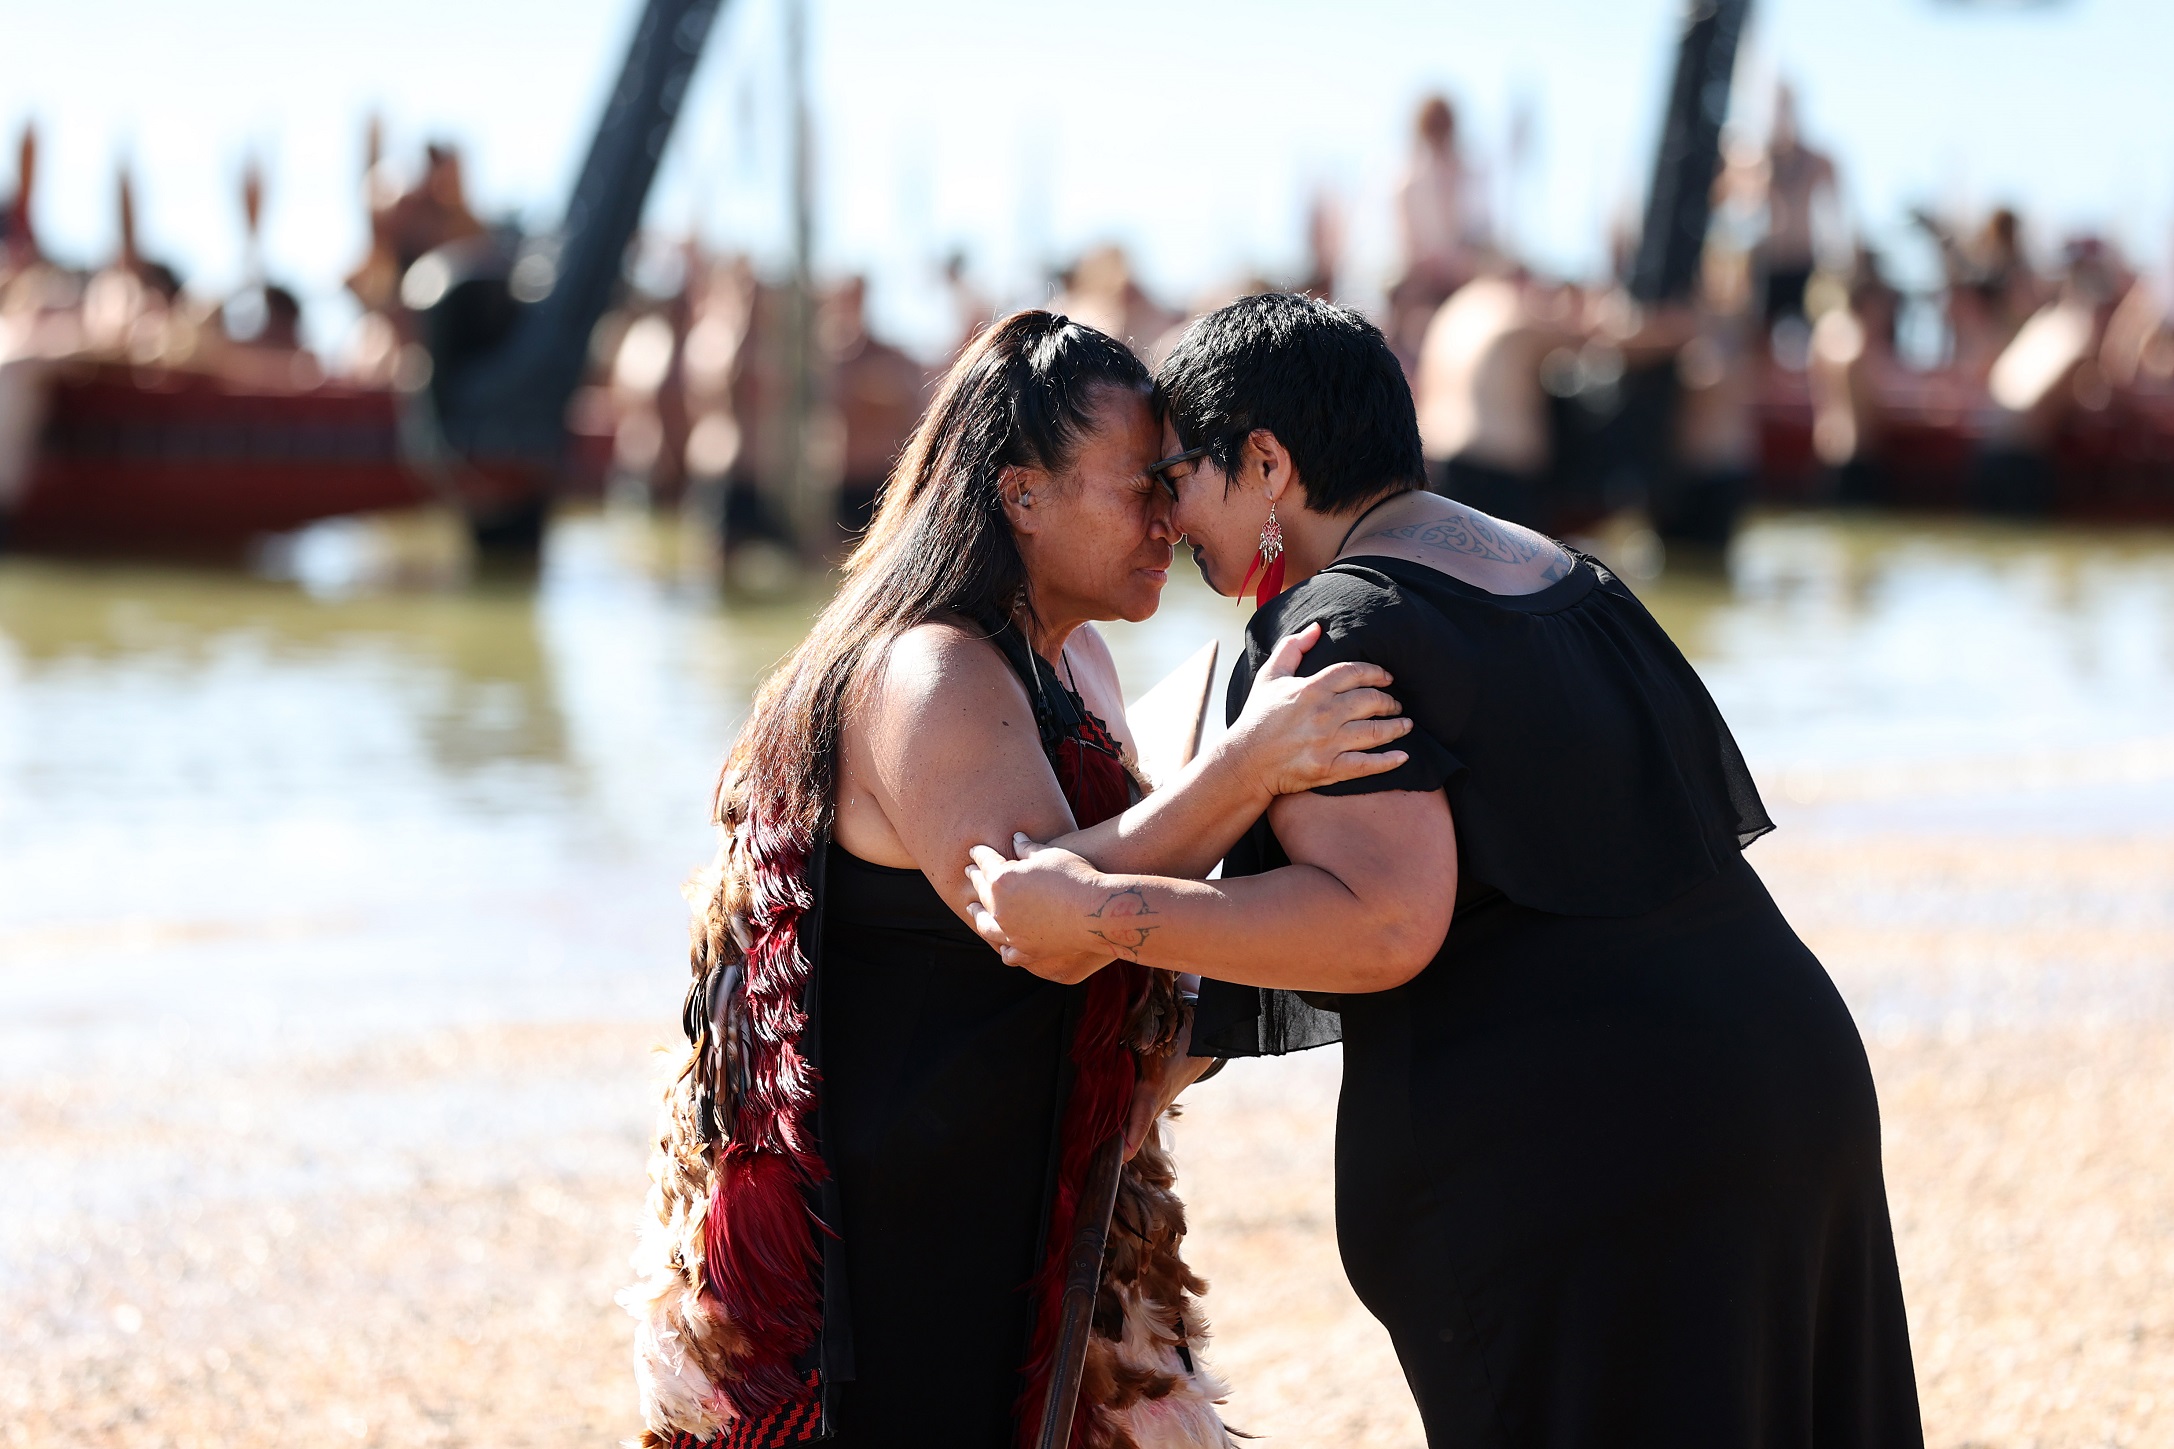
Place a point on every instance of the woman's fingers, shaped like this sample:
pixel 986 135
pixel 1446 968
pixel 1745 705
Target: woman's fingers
pixel 1284 658
pixel 985 926
pixel 1351 674
pixel 1358 764
pixel 1365 734
pixel 983 863
pixel 1368 703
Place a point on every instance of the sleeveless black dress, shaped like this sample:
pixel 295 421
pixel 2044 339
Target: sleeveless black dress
pixel 945 1075
pixel 1608 1169
pixel 920 1019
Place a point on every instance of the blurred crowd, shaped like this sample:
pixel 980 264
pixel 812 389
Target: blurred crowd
pixel 1549 399
pixel 135 307
pixel 131 309
pixel 1542 398
pixel 1785 370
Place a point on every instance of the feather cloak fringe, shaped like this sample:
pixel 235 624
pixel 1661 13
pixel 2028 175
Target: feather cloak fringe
pixel 727 1291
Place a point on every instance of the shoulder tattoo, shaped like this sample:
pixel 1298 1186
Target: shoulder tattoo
pixel 1482 537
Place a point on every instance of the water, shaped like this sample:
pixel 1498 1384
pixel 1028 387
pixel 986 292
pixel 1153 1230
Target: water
pixel 339 906
pixel 234 809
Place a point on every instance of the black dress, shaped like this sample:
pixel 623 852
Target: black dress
pixel 919 1019
pixel 1608 1169
pixel 945 1075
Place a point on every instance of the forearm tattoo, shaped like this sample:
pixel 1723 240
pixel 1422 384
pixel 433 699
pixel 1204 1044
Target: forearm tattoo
pixel 1118 923
pixel 1482 537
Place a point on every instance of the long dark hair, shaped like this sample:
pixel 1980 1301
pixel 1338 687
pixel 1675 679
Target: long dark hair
pixel 736 1152
pixel 1023 393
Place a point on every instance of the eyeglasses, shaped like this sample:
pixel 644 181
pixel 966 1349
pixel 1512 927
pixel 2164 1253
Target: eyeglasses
pixel 1160 471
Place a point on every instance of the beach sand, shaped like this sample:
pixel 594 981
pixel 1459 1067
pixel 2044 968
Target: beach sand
pixel 416 1241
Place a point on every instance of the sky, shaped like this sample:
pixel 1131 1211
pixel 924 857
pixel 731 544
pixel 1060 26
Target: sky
pixel 1193 131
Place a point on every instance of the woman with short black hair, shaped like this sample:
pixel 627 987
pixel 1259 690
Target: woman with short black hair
pixel 1608 1153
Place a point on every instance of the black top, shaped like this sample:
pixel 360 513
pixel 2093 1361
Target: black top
pixel 1608 1169
pixel 1588 771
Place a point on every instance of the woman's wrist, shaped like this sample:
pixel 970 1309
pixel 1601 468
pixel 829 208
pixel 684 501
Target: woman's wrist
pixel 1244 765
pixel 1115 915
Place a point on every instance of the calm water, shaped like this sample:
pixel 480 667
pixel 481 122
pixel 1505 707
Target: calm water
pixel 236 808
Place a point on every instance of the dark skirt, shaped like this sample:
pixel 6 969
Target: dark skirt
pixel 943 1077
pixel 1617 1182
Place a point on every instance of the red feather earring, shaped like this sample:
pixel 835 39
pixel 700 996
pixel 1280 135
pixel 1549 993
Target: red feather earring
pixel 1268 562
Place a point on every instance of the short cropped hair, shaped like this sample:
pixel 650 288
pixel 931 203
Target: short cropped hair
pixel 1318 376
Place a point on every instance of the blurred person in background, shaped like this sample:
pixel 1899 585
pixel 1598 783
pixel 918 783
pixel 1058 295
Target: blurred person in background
pixel 720 308
pixel 1991 287
pixel 971 310
pixel 406 223
pixel 2049 370
pixel 1855 374
pixel 375 281
pixel 1483 415
pixel 428 214
pixel 39 320
pixel 935 1108
pixel 879 391
pixel 253 337
pixel 1608 1150
pixel 1440 225
pixel 1101 292
pixel 1325 235
pixel 1799 191
pixel 18 234
pixel 2139 349
pixel 40 303
pixel 129 302
pixel 1714 453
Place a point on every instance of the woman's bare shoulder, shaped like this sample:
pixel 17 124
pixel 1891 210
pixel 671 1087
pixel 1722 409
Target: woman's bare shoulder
pixel 940 665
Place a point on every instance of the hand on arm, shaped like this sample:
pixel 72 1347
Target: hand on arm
pixel 944 739
pixel 1294 734
pixel 1363 906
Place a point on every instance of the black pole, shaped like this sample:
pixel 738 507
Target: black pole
pixel 1679 206
pixel 509 402
pixel 1622 442
pixel 811 513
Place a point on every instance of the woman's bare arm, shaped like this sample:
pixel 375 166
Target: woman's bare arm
pixel 1294 734
pixel 943 742
pixel 1363 907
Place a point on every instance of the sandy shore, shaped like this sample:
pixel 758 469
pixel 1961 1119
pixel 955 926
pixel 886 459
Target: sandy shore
pixel 415 1241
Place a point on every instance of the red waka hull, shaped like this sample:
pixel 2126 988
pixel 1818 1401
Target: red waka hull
pixel 145 458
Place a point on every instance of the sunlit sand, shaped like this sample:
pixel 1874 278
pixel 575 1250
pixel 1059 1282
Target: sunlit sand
pixel 350 1147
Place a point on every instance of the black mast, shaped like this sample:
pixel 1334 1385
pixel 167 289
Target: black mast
pixel 1679 206
pixel 1619 443
pixel 500 391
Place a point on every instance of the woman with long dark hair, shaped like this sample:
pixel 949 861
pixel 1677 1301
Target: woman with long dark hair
pixel 870 1163
pixel 1608 1152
